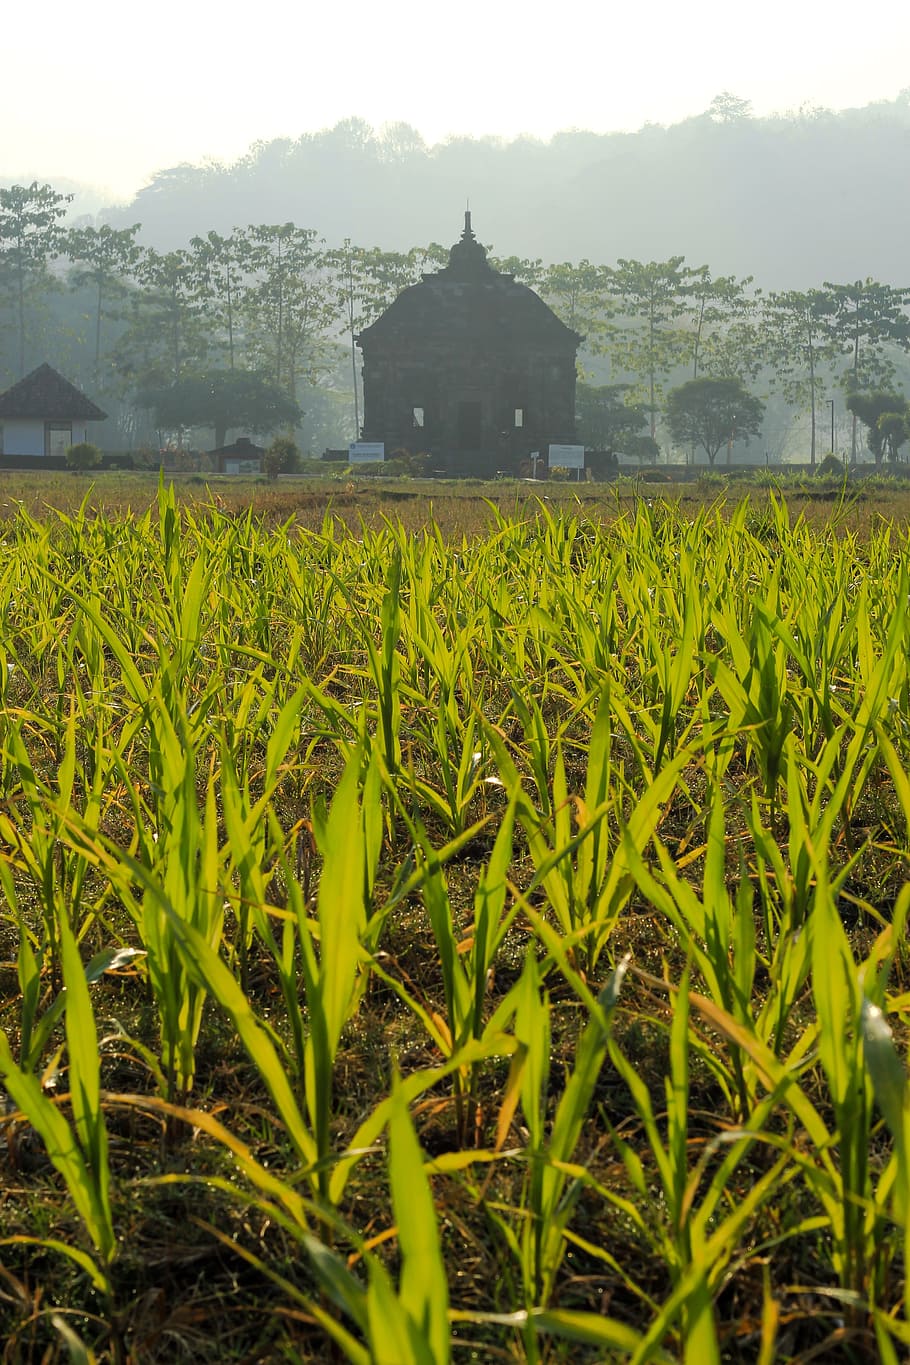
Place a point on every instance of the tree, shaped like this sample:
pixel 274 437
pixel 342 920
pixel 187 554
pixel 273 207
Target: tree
pixel 720 310
pixel 104 258
pixel 30 235
pixel 218 264
pixel 221 399
pixel 727 108
pixel 894 430
pixel 797 329
pixel 289 305
pixel 713 412
pixel 655 297
pixel 606 421
pixel 167 334
pixel 346 264
pixel 522 269
pixel 885 416
pixel 866 318
pixel 579 295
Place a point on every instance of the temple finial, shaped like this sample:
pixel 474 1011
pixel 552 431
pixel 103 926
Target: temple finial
pixel 467 257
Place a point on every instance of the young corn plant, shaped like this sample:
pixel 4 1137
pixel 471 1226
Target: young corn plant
pixel 255 840
pixel 703 1209
pixel 407 1324
pixel 385 669
pixel 78 1150
pixel 834 1162
pixel 552 1188
pixel 859 1219
pixel 467 964
pixel 56 870
pixel 717 932
pixel 584 873
pixel 349 837
pixel 756 689
pixel 327 957
pixel 390 1324
pixel 891 1089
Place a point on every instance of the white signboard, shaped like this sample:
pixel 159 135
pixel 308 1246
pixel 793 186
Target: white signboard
pixel 566 457
pixel 366 452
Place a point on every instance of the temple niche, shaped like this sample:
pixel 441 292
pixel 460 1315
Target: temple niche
pixel 469 367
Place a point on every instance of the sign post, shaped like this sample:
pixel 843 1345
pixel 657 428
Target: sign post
pixel 566 457
pixel 366 452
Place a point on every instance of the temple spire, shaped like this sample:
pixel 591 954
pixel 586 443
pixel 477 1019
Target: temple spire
pixel 467 258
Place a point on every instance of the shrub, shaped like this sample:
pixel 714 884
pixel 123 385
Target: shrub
pixel 281 457
pixel 83 455
pixel 831 467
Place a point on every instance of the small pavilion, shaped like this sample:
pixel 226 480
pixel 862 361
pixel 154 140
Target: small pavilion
pixel 242 456
pixel 44 414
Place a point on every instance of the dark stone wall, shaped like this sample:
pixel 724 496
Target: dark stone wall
pixel 469 399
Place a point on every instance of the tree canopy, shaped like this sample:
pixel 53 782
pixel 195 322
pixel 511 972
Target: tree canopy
pixel 222 399
pixel 711 413
pixel 608 423
pixel 886 417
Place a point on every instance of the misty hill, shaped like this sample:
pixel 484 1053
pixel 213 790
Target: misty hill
pixel 792 200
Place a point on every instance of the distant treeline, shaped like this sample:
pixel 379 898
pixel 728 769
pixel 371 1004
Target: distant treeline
pixel 169 340
pixel 793 199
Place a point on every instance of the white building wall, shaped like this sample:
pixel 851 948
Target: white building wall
pixel 23 436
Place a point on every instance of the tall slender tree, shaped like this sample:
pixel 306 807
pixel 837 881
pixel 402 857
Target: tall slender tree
pixel 167 336
pixel 218 265
pixel 867 318
pixel 104 259
pixel 289 305
pixel 580 296
pixel 30 236
pixel 796 325
pixel 654 297
pixel 720 309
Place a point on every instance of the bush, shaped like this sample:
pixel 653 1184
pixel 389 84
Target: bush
pixel 402 463
pixel 83 455
pixel 831 467
pixel 281 457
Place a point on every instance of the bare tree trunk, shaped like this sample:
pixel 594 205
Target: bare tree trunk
pixel 353 350
pixel 98 335
pixel 21 318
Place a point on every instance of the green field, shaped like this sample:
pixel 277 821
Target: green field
pixel 454 924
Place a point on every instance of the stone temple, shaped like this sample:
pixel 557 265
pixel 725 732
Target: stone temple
pixel 469 367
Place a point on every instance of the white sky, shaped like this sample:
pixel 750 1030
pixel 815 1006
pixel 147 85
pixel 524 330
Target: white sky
pixel 109 91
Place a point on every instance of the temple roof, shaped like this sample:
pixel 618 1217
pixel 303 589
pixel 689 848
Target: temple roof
pixel 46 395
pixel 469 300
